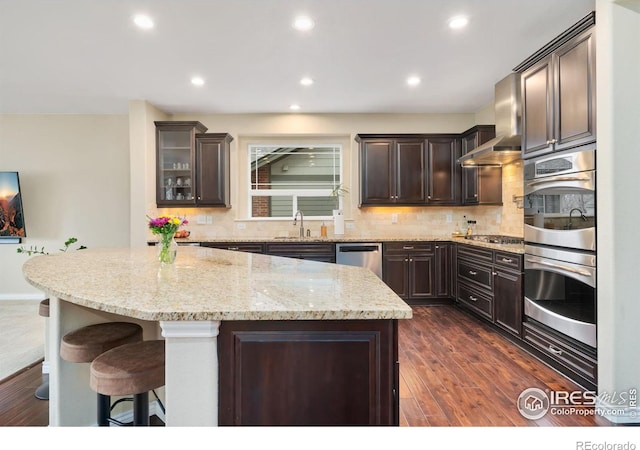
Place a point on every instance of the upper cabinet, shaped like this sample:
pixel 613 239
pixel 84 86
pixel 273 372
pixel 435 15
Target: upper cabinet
pixel 392 170
pixel 559 92
pixel 192 168
pixel 409 170
pixel 481 185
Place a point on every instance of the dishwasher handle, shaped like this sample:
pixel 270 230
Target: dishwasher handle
pixel 358 248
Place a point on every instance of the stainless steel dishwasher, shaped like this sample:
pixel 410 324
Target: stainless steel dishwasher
pixel 367 255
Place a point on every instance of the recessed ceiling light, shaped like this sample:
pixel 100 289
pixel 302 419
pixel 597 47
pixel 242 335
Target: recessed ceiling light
pixel 458 22
pixel 197 81
pixel 303 23
pixel 306 81
pixel 413 80
pixel 294 107
pixel 143 21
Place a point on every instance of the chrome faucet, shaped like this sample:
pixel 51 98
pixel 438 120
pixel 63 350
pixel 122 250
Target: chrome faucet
pixel 582 216
pixel 295 218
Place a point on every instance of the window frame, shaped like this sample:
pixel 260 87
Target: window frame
pixel 294 193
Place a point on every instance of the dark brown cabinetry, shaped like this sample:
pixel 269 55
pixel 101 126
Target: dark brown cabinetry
pixel 490 283
pixel 212 166
pixel 443 171
pixel 309 373
pixel 323 252
pixel 409 169
pixel 481 185
pixel 419 272
pixel 192 168
pixel 249 247
pixel 392 171
pixel 559 93
pixel 570 357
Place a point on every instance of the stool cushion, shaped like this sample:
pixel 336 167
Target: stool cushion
pixel 44 308
pixel 86 343
pixel 129 369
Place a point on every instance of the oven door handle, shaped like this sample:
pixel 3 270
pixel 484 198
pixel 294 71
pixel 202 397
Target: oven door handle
pixel 557 178
pixel 582 272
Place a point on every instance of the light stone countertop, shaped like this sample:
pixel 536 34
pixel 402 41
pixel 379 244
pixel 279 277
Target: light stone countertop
pixel 211 284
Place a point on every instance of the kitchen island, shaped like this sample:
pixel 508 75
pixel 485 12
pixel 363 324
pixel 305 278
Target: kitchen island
pixel 250 339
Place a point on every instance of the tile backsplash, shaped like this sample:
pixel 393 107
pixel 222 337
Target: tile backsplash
pixel 374 221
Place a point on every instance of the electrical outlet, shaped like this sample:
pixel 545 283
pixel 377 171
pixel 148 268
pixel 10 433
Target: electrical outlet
pixel 394 218
pixel 241 226
pixel 350 226
pixel 201 220
pixel 449 218
pixel 498 218
pixel 209 220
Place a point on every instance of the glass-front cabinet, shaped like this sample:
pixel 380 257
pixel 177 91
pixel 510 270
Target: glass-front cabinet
pixel 176 163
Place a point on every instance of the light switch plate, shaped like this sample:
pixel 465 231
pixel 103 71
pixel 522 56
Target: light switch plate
pixel 449 218
pixel 201 220
pixel 241 226
pixel 394 218
pixel 209 219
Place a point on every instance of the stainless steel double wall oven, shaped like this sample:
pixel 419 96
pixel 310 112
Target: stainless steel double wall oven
pixel 560 243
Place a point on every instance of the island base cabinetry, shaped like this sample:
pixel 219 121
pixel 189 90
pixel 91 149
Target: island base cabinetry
pixel 308 373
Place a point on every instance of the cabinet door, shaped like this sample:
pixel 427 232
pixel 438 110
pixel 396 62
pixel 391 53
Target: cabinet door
pixel 175 176
pixel 410 164
pixel 377 172
pixel 508 298
pixel 575 102
pixel 212 177
pixel 537 108
pixel 421 276
pixel 443 270
pixel 443 174
pixel 396 275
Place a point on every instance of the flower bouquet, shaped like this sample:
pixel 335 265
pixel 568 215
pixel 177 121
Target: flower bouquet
pixel 166 227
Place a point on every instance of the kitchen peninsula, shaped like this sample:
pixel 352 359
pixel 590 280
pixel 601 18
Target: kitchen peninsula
pixel 250 339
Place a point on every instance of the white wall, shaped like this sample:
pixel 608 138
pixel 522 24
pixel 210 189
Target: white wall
pixel 618 69
pixel 74 176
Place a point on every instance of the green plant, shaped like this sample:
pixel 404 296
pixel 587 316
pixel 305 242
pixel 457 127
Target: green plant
pixel 33 250
pixel 338 191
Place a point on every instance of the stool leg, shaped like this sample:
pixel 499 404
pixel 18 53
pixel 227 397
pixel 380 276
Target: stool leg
pixel 141 410
pixel 104 410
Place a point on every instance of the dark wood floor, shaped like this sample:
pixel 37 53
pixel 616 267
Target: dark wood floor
pixel 454 371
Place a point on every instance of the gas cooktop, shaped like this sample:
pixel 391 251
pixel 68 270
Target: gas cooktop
pixel 495 239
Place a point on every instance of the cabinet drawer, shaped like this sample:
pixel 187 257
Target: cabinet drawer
pixel 404 247
pixel 475 253
pixel 580 361
pixel 508 260
pixel 482 303
pixel 479 275
pixel 236 246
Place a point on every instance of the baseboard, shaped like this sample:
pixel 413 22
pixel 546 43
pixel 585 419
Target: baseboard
pixel 36 296
pixel 618 414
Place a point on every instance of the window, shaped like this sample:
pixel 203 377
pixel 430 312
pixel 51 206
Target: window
pixel 286 178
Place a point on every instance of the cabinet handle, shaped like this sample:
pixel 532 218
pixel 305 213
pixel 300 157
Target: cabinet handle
pixel 507 260
pixel 494 273
pixel 406 247
pixel 553 141
pixel 233 248
pixel 429 197
pixel 554 350
pixel 411 259
pixel 473 299
pixel 199 198
pixel 471 272
pixel 406 260
pixel 437 247
pixel 475 195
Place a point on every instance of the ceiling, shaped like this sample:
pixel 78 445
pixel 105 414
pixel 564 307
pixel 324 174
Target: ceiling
pixel 87 56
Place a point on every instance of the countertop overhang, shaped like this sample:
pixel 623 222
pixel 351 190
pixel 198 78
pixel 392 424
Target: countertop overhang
pixel 212 284
pixel 513 248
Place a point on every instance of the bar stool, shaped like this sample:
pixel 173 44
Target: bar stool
pixel 87 343
pixel 131 369
pixel 42 392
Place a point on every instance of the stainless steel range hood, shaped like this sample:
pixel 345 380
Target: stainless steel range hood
pixel 505 147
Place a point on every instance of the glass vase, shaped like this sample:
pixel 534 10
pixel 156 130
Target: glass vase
pixel 167 249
